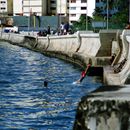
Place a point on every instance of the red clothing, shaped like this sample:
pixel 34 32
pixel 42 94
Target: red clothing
pixel 83 74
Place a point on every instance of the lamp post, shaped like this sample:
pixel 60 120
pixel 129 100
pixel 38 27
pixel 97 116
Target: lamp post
pixel 86 15
pixel 29 17
pixel 60 12
pixel 129 11
pixel 107 14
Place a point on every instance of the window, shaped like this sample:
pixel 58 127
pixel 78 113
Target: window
pixel 83 1
pixel 73 15
pixel 2 8
pixel 53 8
pixel 73 1
pixel 72 8
pixel 83 8
pixel 97 1
pixel 53 2
pixel 2 2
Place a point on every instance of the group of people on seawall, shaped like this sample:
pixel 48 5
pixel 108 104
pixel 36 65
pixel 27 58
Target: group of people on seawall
pixel 63 29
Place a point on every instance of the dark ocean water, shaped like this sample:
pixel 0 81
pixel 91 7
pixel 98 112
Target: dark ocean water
pixel 24 101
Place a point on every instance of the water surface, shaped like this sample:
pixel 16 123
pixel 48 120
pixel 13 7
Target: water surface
pixel 24 101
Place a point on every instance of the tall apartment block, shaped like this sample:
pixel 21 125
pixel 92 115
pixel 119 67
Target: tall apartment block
pixel 3 6
pixel 39 7
pixel 6 7
pixel 76 8
pixel 17 7
pixel 72 9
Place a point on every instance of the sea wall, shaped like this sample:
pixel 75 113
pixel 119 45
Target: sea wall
pixel 118 73
pixel 107 108
pixel 78 48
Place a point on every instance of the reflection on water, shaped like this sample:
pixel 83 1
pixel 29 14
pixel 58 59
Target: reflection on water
pixel 25 102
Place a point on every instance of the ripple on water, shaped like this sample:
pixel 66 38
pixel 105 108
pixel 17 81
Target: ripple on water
pixel 25 102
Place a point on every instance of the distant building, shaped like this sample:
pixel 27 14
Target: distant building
pixel 62 7
pixel 10 7
pixel 6 7
pixel 3 6
pixel 72 9
pixel 77 8
pixel 17 7
pixel 37 7
pixel 51 7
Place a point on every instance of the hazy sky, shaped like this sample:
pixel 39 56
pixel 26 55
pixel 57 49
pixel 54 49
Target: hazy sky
pixel 91 7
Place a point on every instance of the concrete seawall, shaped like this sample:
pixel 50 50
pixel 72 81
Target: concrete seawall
pixel 77 48
pixel 107 108
pixel 118 73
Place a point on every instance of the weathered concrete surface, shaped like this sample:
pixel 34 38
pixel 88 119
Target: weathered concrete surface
pixel 74 48
pixel 106 38
pixel 42 43
pixel 90 45
pixel 119 78
pixel 107 108
pixel 64 44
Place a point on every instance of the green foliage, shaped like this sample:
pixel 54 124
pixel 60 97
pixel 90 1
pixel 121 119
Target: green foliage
pixel 81 24
pixel 119 18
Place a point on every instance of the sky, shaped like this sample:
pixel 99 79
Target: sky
pixel 91 7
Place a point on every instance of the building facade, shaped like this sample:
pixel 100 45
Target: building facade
pixel 3 6
pixel 37 7
pixel 72 9
pixel 17 7
pixel 76 9
pixel 6 7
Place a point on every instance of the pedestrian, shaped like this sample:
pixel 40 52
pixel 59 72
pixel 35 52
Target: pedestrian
pixel 48 30
pixel 66 28
pixel 62 28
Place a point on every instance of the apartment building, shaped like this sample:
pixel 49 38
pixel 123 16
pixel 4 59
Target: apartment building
pixel 76 9
pixel 51 7
pixel 72 9
pixel 62 7
pixel 6 7
pixel 3 6
pixel 39 7
pixel 17 7
pixel 10 7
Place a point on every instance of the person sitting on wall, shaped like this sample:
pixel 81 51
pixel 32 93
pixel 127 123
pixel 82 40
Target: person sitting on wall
pixel 127 26
pixel 83 74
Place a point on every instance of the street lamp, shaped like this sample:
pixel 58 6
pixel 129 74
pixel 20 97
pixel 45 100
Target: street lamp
pixel 60 12
pixel 129 11
pixel 86 15
pixel 29 17
pixel 107 14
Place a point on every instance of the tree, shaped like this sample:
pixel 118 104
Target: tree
pixel 118 13
pixel 81 24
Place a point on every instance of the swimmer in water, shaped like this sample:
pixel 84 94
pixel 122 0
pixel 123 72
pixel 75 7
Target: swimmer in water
pixel 83 74
pixel 45 83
